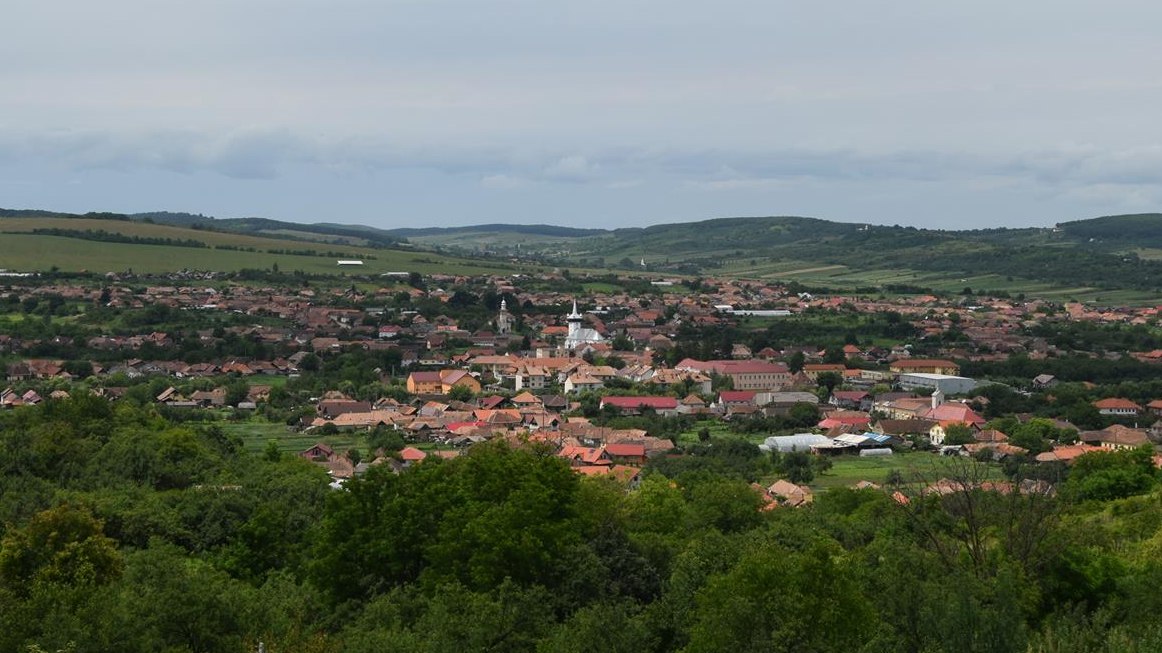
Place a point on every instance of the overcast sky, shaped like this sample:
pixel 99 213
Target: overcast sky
pixel 598 113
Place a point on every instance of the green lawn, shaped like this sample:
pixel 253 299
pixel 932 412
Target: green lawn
pixel 717 429
pixel 915 466
pixel 273 380
pixel 256 434
pixel 601 287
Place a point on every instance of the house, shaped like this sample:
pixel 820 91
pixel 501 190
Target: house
pixel 1115 437
pixel 424 384
pixel 1066 453
pixel 664 406
pixel 441 382
pixel 319 452
pixel 19 372
pixel 692 405
pixel 450 379
pixel 211 398
pixel 851 400
pixel 813 370
pixel 411 456
pixel 755 374
pixel 524 400
pixel 531 377
pixel 955 412
pixel 1117 407
pixel 1044 381
pixel 924 366
pixel 781 403
pixel 578 382
pixel 625 474
pixel 332 408
pixel 626 453
pixel 853 419
pixel 731 398
pixel 787 493
pixel 579 456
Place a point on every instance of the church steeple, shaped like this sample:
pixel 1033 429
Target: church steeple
pixel 504 319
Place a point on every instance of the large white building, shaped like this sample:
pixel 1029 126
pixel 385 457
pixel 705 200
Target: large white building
pixel 579 335
pixel 946 383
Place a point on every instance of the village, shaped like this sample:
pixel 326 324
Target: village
pixel 572 371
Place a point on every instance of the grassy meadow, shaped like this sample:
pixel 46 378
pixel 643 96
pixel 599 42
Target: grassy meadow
pixel 36 252
pixel 914 466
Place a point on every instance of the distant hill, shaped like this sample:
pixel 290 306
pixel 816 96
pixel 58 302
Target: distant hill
pixel 33 240
pixel 1081 258
pixel 343 234
pixel 531 229
pixel 1137 230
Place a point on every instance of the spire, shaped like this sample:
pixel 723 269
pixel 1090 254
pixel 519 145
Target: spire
pixel 574 316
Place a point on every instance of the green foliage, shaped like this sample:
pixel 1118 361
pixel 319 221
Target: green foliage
pixel 461 393
pixel 956 434
pixel 125 530
pixel 724 456
pixel 496 513
pixel 777 600
pixel 797 467
pixel 64 545
pixel 1104 476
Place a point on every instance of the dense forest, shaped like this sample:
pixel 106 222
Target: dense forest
pixel 126 532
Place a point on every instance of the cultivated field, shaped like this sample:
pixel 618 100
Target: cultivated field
pixel 36 252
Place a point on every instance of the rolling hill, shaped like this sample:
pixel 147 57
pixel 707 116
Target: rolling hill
pixel 95 242
pixel 1113 258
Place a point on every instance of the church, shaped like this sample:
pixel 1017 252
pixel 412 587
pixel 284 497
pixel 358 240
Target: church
pixel 579 336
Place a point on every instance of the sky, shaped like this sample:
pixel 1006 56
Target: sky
pixel 603 113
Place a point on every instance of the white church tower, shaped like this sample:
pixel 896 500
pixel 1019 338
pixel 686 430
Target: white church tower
pixel 503 319
pixel 577 335
pixel 574 320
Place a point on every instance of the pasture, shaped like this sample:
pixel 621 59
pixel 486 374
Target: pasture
pixel 36 252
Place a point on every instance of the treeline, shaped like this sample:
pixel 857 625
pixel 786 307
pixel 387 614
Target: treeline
pixel 315 252
pixel 100 235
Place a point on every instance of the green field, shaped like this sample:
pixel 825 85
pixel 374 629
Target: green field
pixel 255 435
pixel 841 277
pixel 915 466
pixel 28 252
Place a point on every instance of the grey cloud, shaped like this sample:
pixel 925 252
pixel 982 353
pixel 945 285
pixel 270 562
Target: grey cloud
pixel 264 154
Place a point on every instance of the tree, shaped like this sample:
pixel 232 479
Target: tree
pixel 829 380
pixel 272 453
pixel 310 363
pixel 834 355
pixel 1036 434
pixel 796 466
pixel 958 434
pixel 236 392
pixel 783 601
pixel 495 513
pixel 796 361
pixel 461 393
pixel 1104 476
pixel 63 545
pixel 803 415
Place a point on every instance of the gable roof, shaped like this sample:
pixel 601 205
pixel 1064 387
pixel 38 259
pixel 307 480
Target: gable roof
pixel 657 403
